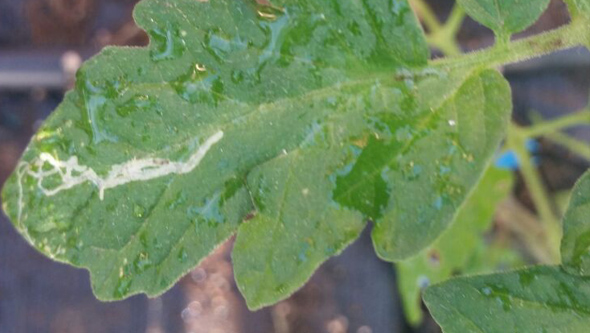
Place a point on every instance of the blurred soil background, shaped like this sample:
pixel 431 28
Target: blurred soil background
pixel 41 44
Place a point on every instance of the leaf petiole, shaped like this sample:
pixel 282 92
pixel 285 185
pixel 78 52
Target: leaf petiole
pixel 552 126
pixel 516 141
pixel 441 36
pixel 577 147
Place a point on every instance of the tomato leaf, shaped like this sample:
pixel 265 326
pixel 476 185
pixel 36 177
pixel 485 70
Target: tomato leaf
pixel 458 246
pixel 545 298
pixel 536 299
pixel 312 116
pixel 505 17
pixel 575 244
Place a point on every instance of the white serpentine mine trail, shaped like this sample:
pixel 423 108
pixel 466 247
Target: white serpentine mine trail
pixel 73 174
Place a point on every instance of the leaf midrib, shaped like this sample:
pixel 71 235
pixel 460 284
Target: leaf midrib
pixel 313 94
pixel 257 109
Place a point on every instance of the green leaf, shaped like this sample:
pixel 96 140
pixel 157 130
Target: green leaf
pixel 536 299
pixel 542 298
pixel 580 6
pixel 505 17
pixel 429 178
pixel 297 226
pixel 575 245
pixel 497 255
pixel 458 247
pixel 306 201
pixel 312 116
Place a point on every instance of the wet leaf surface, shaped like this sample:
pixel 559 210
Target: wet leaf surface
pixel 536 299
pixel 541 298
pixel 308 118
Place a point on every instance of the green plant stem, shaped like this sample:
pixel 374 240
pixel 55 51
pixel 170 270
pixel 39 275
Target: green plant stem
pixel 514 217
pixel 426 15
pixel 504 52
pixel 577 147
pixel 441 36
pixel 574 34
pixel 552 130
pixel 516 141
pixel 445 38
pixel 455 20
pixel 548 127
pixel 517 137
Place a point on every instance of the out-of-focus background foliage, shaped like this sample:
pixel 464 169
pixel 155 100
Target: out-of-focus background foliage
pixel 42 42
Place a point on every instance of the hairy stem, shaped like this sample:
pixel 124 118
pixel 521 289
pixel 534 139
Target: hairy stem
pixel 427 15
pixel 552 126
pixel 514 217
pixel 577 147
pixel 455 20
pixel 572 35
pixel 441 36
pixel 517 142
